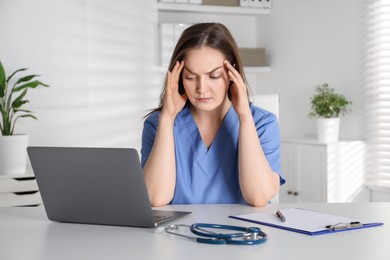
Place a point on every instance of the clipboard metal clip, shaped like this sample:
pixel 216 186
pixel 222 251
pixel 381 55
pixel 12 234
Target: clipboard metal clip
pixel 343 226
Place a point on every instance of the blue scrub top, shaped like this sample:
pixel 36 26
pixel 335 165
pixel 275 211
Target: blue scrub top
pixel 211 175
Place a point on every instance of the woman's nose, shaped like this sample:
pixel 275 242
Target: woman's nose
pixel 202 85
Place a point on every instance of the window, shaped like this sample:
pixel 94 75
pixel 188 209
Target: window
pixel 377 92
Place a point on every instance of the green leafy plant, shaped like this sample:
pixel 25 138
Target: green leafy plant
pixel 326 103
pixel 12 98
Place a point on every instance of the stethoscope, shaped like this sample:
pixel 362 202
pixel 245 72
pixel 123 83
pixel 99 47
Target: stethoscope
pixel 245 236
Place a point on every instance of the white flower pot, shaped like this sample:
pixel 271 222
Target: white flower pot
pixel 328 129
pixel 13 154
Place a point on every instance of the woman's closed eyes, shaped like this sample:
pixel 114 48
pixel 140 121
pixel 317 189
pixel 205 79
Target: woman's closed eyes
pixel 215 76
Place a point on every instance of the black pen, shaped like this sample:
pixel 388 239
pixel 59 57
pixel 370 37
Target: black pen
pixel 280 216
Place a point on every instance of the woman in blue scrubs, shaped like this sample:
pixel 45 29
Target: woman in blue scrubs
pixel 206 142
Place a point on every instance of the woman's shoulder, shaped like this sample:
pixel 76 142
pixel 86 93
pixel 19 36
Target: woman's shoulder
pixel 152 118
pixel 259 113
pixel 267 124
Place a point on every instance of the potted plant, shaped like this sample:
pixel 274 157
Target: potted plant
pixel 327 107
pixel 12 99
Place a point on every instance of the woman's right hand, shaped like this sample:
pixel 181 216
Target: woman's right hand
pixel 173 102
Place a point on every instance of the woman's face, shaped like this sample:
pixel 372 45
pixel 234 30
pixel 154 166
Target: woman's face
pixel 205 78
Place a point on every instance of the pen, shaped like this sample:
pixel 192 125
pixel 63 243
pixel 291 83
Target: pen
pixel 280 216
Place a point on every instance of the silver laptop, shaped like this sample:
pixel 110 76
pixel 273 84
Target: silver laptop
pixel 95 186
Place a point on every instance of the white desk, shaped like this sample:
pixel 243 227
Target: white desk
pixel 25 233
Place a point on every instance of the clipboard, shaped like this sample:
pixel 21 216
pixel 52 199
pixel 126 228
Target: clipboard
pixel 306 222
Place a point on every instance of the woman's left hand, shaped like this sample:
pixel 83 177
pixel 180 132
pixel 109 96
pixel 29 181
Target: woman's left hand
pixel 238 90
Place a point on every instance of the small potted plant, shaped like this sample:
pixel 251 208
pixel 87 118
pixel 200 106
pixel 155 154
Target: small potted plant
pixel 327 107
pixel 12 99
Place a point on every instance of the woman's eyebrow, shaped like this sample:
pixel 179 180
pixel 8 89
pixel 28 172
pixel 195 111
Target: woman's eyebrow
pixel 213 70
pixel 217 68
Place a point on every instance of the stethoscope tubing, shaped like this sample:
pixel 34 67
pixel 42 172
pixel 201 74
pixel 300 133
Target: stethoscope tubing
pixel 249 235
pixel 197 229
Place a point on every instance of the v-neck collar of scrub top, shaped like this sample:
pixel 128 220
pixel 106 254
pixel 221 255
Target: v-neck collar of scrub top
pixel 193 130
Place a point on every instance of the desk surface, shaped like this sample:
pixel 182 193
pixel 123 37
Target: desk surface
pixel 26 233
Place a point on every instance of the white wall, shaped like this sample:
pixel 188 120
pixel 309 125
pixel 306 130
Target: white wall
pixel 310 42
pixel 121 78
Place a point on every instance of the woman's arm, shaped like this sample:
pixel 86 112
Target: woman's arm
pixel 160 167
pixel 258 183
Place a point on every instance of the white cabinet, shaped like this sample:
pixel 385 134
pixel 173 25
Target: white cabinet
pixel 317 172
pixel 19 190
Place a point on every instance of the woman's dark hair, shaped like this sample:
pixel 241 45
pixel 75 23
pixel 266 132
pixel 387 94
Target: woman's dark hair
pixel 214 35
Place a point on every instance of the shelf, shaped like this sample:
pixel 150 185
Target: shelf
pixel 14 199
pixel 212 9
pixel 257 69
pixel 17 176
pixel 18 185
pixel 177 13
pixel 246 69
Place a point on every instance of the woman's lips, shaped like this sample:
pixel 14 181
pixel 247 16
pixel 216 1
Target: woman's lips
pixel 203 100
